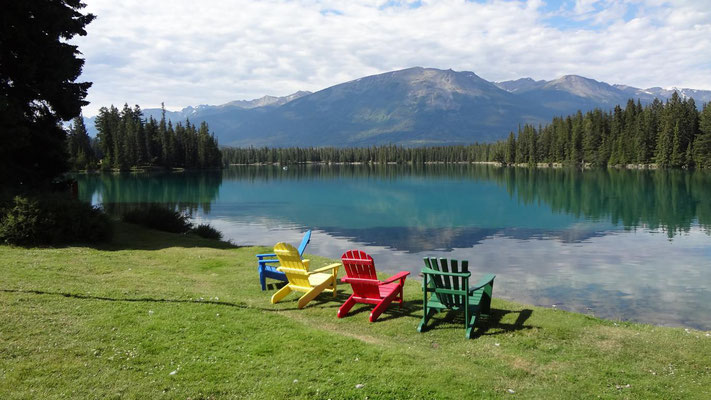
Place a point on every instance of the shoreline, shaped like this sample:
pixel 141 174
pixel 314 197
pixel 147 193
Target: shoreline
pixel 584 166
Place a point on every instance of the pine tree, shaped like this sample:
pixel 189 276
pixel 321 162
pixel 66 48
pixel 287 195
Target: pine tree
pixel 678 153
pixel 576 139
pixel 510 155
pixel 665 144
pixel 38 89
pixel 702 143
pixel 81 155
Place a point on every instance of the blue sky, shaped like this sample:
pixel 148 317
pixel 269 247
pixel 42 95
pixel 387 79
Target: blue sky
pixel 182 53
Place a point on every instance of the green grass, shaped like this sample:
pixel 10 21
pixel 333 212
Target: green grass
pixel 117 321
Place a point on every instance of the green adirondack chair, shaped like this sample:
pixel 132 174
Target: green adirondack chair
pixel 448 285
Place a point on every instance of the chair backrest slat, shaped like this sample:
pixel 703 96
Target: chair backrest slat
pixel 446 280
pixel 436 280
pixel 457 300
pixel 304 242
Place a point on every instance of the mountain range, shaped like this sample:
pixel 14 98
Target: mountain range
pixel 411 107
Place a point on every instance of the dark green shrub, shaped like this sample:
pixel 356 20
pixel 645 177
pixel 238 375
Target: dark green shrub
pixel 52 218
pixel 159 217
pixel 207 231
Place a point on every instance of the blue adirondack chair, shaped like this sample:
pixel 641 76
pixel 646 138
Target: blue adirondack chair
pixel 268 263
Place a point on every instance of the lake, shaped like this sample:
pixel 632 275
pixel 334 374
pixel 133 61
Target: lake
pixel 617 244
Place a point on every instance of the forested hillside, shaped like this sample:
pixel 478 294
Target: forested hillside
pixel 671 134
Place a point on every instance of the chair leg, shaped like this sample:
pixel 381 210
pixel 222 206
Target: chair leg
pixel 343 310
pixel 311 294
pixel 470 326
pixel 423 324
pixel 280 294
pixel 262 279
pixel 384 303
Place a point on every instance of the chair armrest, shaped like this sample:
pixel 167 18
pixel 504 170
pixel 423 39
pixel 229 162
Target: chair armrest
pixel 261 256
pixel 373 282
pixel 400 275
pixel 486 280
pixel 430 271
pixel 326 268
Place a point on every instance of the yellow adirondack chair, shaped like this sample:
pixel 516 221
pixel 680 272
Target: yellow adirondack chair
pixel 300 278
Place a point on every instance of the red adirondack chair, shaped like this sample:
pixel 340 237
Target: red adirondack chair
pixel 360 273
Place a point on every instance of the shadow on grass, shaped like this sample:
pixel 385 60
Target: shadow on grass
pixel 325 300
pixel 493 325
pixel 139 299
pixel 394 310
pixel 485 326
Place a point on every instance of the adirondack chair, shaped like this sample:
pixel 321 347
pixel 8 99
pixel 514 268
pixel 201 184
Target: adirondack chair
pixel 449 288
pixel 266 270
pixel 300 278
pixel 360 273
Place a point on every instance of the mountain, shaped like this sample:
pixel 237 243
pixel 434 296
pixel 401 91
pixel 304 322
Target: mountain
pixel 569 93
pixel 415 106
pixel 520 85
pixel 237 107
pixel 266 101
pixel 700 96
pixel 410 107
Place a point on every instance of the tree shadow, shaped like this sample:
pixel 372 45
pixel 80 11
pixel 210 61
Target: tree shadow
pixel 140 299
pixel 323 300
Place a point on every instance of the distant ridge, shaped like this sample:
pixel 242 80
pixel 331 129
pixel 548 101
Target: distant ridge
pixel 266 101
pixel 410 107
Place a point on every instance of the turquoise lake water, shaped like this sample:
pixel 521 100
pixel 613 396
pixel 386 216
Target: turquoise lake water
pixel 627 245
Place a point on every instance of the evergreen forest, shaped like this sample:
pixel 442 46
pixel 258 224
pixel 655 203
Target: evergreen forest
pixel 126 140
pixel 673 134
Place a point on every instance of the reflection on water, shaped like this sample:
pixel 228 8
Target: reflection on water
pixel 630 245
pixel 187 191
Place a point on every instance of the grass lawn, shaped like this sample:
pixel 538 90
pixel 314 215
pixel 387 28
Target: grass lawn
pixel 157 315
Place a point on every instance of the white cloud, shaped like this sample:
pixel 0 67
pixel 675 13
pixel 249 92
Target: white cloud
pixel 186 53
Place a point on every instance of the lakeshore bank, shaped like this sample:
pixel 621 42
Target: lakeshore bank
pixel 159 315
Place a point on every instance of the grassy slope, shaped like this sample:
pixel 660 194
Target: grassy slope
pixel 116 321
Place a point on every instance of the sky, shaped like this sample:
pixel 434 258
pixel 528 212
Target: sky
pixel 187 53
